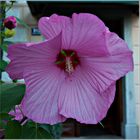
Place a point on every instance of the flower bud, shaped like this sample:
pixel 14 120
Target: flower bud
pixel 10 22
pixel 9 33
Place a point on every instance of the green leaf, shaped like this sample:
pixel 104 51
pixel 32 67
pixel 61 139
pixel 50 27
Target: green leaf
pixel 2 124
pixel 11 95
pixel 22 22
pixel 4 47
pixel 54 130
pixel 42 134
pixel 46 127
pixel 8 42
pixel 1 82
pixel 4 118
pixel 3 65
pixel 31 123
pixel 5 44
pixel 34 133
pixel 13 130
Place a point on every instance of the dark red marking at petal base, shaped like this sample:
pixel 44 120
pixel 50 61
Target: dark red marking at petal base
pixel 61 59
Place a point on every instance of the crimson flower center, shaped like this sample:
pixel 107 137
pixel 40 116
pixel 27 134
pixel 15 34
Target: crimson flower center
pixel 67 60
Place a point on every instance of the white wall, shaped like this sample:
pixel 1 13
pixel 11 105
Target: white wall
pixel 136 55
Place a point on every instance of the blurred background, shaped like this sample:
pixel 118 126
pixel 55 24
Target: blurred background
pixel 122 17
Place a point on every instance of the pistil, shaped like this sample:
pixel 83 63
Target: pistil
pixel 69 65
pixel 67 60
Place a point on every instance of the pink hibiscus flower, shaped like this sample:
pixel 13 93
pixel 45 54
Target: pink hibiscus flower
pixel 73 73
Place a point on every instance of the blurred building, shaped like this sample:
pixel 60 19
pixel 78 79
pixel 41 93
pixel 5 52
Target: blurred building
pixel 123 119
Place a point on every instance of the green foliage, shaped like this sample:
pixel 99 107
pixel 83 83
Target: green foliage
pixel 11 95
pixel 4 118
pixel 4 47
pixel 3 65
pixel 54 130
pixel 1 82
pixel 16 131
pixel 31 132
pixel 13 130
pixel 8 42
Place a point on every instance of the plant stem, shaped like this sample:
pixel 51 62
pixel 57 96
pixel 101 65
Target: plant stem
pixel 11 5
pixel 2 17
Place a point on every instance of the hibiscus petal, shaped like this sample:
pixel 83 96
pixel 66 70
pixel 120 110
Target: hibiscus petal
pixel 84 33
pixel 40 102
pixel 53 25
pixel 33 56
pixel 106 70
pixel 88 35
pixel 115 44
pixel 79 100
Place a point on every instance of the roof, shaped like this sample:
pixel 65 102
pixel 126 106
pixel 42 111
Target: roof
pixel 70 6
pixel 128 2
